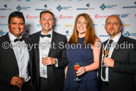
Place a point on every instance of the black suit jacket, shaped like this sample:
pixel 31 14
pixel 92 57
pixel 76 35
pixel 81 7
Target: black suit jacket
pixel 121 76
pixel 8 64
pixel 55 74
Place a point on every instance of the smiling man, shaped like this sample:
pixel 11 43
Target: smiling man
pixel 49 62
pixel 117 64
pixel 15 59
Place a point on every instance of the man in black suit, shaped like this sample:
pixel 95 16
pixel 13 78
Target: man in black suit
pixel 50 57
pixel 118 61
pixel 14 56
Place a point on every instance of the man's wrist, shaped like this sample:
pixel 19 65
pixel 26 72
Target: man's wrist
pixel 56 62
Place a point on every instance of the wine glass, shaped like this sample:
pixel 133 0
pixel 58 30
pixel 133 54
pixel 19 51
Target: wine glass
pixel 44 71
pixel 76 67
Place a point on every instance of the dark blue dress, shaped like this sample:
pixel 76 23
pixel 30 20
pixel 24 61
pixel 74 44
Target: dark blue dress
pixel 84 56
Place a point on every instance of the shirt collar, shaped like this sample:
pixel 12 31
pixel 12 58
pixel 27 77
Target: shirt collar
pixel 47 33
pixel 116 38
pixel 12 37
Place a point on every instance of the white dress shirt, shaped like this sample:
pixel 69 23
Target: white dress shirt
pixel 113 45
pixel 44 47
pixel 22 56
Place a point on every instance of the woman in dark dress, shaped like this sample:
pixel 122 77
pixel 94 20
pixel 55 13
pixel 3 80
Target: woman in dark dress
pixel 84 49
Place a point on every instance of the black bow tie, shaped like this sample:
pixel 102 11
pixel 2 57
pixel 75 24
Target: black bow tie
pixel 20 39
pixel 45 35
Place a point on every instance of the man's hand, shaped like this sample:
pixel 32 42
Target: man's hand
pixel 108 62
pixel 48 61
pixel 16 81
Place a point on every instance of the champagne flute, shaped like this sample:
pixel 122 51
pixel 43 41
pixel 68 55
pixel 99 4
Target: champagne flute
pixel 44 71
pixel 76 67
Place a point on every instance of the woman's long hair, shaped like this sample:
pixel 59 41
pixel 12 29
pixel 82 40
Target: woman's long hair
pixel 89 35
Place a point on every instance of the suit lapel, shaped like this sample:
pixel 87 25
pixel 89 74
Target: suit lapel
pixel 36 46
pixel 11 51
pixel 25 39
pixel 115 51
pixel 50 69
pixel 53 42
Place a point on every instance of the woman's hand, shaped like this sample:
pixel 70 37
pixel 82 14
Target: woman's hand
pixel 81 71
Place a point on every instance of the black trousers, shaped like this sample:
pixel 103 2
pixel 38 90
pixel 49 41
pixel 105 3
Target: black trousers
pixel 104 86
pixel 44 86
pixel 27 86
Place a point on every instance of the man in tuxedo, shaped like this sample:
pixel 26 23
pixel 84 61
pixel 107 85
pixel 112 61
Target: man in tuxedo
pixel 50 56
pixel 118 59
pixel 14 56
